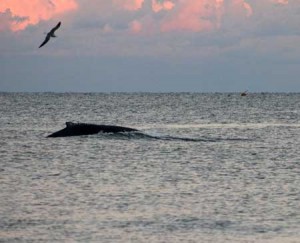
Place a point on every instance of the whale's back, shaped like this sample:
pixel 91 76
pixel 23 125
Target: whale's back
pixel 77 129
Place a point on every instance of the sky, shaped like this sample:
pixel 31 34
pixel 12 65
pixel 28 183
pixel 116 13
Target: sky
pixel 150 46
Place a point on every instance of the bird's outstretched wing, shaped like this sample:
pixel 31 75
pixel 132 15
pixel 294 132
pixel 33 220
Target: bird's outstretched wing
pixel 45 41
pixel 56 27
pixel 50 34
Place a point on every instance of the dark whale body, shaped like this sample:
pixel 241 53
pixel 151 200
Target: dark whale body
pixel 77 129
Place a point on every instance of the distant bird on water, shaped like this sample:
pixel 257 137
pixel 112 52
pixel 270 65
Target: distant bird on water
pixel 244 93
pixel 50 34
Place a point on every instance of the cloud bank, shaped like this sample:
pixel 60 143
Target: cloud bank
pixel 167 15
pixel 18 14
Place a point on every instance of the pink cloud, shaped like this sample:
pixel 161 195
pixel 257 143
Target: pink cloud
pixel 240 7
pixel 201 15
pixel 192 15
pixel 179 15
pixel 131 5
pixel 5 19
pixel 158 6
pixel 135 26
pixel 24 12
pixel 284 2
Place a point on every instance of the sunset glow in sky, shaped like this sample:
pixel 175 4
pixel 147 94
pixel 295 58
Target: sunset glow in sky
pixel 151 45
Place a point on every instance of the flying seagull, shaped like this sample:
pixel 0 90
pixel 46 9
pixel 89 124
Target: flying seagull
pixel 50 34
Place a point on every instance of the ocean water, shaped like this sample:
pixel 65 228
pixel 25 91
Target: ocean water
pixel 221 168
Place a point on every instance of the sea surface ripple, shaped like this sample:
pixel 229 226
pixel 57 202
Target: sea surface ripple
pixel 207 168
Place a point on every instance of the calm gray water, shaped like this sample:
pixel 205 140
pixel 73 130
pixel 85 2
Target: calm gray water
pixel 224 168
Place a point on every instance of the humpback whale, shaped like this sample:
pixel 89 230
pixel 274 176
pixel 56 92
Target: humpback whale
pixel 77 129
pixel 50 34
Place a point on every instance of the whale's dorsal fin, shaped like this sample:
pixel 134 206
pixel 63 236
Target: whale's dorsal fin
pixel 70 124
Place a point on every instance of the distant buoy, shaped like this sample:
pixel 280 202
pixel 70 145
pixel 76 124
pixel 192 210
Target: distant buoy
pixel 244 93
